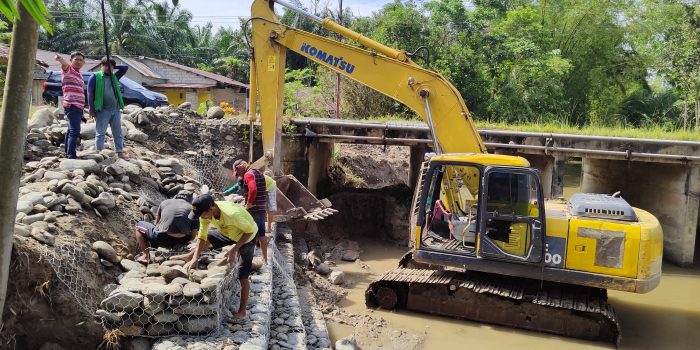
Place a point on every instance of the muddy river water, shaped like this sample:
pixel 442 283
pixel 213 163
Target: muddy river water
pixel 666 318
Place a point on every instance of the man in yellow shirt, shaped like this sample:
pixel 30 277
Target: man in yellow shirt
pixel 233 225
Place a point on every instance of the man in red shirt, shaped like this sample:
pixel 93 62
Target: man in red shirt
pixel 72 85
pixel 256 198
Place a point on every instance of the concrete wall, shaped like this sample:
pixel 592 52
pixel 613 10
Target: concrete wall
pixel 669 191
pixel 232 96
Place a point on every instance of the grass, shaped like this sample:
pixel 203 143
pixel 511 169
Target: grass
pixel 615 131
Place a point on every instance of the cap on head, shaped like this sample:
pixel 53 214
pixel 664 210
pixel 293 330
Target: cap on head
pixel 200 205
pixel 184 195
pixel 236 164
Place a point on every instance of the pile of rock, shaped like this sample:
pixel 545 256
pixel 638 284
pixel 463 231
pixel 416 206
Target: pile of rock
pixel 46 133
pixel 172 180
pixel 164 299
pixel 145 116
pixel 99 182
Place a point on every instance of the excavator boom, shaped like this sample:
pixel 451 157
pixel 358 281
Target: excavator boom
pixel 427 93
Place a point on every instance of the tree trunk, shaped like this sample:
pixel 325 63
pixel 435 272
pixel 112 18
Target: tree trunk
pixel 13 125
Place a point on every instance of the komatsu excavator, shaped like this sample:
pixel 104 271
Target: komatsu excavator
pixel 486 245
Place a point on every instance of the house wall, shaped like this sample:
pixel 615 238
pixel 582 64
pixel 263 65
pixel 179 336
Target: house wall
pixel 234 98
pixel 193 96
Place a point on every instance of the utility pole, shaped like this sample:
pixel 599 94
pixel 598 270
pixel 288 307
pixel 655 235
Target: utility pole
pixel 13 128
pixel 337 84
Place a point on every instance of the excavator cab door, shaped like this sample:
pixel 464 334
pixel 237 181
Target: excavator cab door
pixel 511 215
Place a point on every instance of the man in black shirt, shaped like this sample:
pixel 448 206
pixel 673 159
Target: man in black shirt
pixel 172 228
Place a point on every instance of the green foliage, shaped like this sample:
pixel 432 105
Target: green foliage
pixel 303 96
pixel 571 62
pixel 35 8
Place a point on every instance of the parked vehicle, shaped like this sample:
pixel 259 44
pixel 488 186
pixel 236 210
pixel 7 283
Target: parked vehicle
pixel 132 92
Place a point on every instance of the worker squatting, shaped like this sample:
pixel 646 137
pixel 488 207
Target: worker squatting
pixel 337 62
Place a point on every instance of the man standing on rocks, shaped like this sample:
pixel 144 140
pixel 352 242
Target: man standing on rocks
pixel 105 99
pixel 173 226
pixel 72 85
pixel 233 225
pixel 256 198
pixel 270 205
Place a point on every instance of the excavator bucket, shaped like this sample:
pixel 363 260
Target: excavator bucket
pixel 295 202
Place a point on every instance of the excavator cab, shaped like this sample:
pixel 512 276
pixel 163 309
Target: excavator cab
pixel 484 211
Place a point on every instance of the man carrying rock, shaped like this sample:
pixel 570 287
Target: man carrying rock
pixel 72 85
pixel 173 226
pixel 255 191
pixel 233 225
pixel 105 100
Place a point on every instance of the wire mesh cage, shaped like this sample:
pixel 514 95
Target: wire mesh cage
pixel 163 299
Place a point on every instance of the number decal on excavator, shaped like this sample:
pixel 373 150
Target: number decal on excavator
pixel 554 250
pixel 552 259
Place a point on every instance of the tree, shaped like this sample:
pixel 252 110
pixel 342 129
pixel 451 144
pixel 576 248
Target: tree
pixel 13 117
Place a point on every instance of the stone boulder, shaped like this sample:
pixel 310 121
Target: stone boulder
pixel 197 325
pixel 105 251
pixel 88 131
pixel 122 301
pixel 137 135
pixel 337 277
pixel 41 118
pixel 87 165
pixel 104 199
pixel 215 112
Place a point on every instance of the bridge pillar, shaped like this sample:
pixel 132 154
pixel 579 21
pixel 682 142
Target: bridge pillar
pixel 669 191
pixel 319 156
pixel 416 160
pixel 294 159
pixel 558 170
pixel 548 167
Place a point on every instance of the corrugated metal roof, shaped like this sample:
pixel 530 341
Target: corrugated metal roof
pixel 42 60
pixel 182 86
pixel 219 78
pixel 140 67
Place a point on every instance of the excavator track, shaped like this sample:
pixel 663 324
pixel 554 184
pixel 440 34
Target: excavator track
pixel 568 310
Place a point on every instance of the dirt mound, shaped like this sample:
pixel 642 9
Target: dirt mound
pixel 374 165
pixel 172 131
pixel 56 279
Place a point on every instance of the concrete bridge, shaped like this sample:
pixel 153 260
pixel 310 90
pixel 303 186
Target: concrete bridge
pixel 661 176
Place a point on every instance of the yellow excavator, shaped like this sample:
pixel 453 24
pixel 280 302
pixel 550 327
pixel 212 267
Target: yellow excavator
pixel 486 245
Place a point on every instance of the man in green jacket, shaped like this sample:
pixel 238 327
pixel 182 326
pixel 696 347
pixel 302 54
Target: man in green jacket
pixel 105 100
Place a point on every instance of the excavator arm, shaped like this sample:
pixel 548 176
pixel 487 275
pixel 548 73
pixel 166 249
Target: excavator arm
pixel 387 71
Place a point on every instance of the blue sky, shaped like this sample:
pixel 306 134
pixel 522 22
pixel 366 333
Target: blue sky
pixel 225 13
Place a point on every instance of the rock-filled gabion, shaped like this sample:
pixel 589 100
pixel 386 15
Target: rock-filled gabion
pixel 162 299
